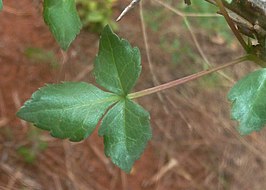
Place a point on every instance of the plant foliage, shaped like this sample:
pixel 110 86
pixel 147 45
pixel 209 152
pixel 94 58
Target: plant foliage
pixel 62 18
pixel 95 14
pixel 1 5
pixel 249 105
pixel 72 110
pixel 122 61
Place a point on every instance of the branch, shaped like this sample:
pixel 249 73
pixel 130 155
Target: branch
pixel 127 9
pixel 250 18
pixel 187 78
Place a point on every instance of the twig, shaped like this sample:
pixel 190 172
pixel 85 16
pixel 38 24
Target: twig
pixel 102 158
pixel 57 182
pixel 124 180
pixel 185 79
pixel 17 103
pixel 63 62
pixel 68 164
pixel 114 180
pixel 155 178
pixel 231 24
pixel 148 55
pixel 127 9
pixel 83 73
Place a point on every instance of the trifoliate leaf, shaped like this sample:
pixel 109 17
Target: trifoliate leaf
pixel 117 65
pixel 62 18
pixel 72 110
pixel 248 98
pixel 126 130
pixel 69 110
pixel 1 5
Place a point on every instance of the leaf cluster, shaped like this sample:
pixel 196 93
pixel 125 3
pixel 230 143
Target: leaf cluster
pixel 73 109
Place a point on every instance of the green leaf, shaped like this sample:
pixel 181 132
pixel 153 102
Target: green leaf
pixel 62 18
pixel 72 110
pixel 69 110
pixel 117 65
pixel 248 98
pixel 126 130
pixel 1 5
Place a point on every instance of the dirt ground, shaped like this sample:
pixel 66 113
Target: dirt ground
pixel 194 144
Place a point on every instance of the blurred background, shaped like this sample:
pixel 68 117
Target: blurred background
pixel 195 145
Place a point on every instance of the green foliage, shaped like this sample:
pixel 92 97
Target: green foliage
pixel 62 18
pixel 126 131
pixel 95 14
pixel 248 102
pixel 72 110
pixel 1 5
pixel 67 109
pixel 39 55
pixel 117 65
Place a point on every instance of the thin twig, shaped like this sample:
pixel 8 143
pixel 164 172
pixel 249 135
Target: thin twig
pixel 68 163
pixel 18 104
pixel 185 79
pixel 124 180
pixel 148 55
pixel 231 24
pixel 127 9
pixel 107 163
pixel 156 177
pixel 83 73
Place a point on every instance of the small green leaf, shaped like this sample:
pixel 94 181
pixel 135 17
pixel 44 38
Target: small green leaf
pixel 62 18
pixel 126 130
pixel 69 110
pixel 118 65
pixel 248 98
pixel 1 5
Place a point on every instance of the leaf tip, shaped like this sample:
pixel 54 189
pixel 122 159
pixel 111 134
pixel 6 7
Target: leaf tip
pixel 19 113
pixel 107 28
